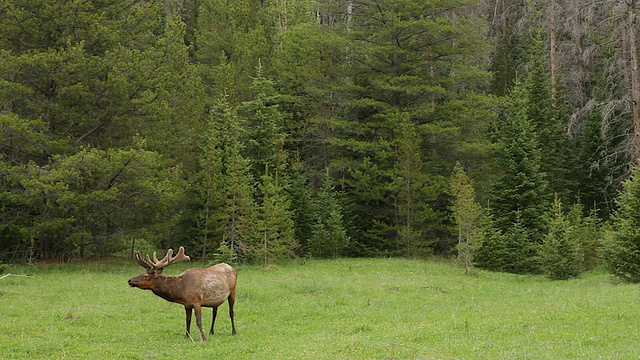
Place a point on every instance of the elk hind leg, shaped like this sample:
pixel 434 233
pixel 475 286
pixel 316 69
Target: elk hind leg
pixel 188 312
pixel 232 300
pixel 213 320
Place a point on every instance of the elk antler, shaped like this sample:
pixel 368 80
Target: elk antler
pixel 167 260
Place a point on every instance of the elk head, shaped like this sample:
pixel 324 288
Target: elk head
pixel 155 267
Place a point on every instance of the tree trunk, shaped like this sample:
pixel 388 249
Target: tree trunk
pixel 635 79
pixel 553 50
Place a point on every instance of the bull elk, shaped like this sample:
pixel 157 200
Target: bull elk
pixel 194 288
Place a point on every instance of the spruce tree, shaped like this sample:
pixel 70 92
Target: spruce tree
pixel 546 114
pixel 413 191
pixel 512 251
pixel 520 194
pixel 621 248
pixel 467 214
pixel 587 231
pixel 237 214
pixel 329 238
pixel 521 247
pixel 302 206
pixel 521 190
pixel 493 253
pixel 208 190
pixel 560 257
pixel 597 172
pixel 276 240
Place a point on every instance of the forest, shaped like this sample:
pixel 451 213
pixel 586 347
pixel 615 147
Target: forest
pixel 500 132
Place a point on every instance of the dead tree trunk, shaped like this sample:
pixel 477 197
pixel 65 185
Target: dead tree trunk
pixel 553 48
pixel 635 79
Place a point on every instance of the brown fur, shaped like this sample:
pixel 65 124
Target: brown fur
pixel 194 289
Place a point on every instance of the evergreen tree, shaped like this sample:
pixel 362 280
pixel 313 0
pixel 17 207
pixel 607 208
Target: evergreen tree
pixel 302 206
pixel 108 71
pixel 546 114
pixel 504 64
pixel 329 237
pixel 276 228
pixel 560 252
pixel 521 190
pixel 88 203
pixel 519 197
pixel 621 248
pixel 414 191
pixel 230 39
pixel 209 193
pixel 264 128
pixel 238 212
pixel 309 68
pixel 522 248
pixel 467 213
pixel 513 251
pixel 599 166
pixel 397 66
pixel 493 253
pixel 587 231
pixel 181 117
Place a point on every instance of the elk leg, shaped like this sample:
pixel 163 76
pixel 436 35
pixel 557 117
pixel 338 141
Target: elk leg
pixel 213 321
pixel 232 300
pixel 188 311
pixel 199 321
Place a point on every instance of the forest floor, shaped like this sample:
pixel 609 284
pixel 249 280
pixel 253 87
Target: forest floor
pixel 322 309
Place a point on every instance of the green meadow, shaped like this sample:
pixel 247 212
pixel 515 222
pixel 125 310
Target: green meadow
pixel 331 309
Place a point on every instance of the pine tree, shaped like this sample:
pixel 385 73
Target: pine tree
pixel 493 253
pixel 546 114
pixel 621 248
pixel 264 128
pixel 512 251
pixel 276 228
pixel 560 257
pixel 599 167
pixel 300 193
pixel 413 191
pixel 237 215
pixel 521 190
pixel 230 39
pixel 467 213
pixel 522 248
pixel 209 192
pixel 329 237
pixel 587 231
pixel 519 197
pixel 405 58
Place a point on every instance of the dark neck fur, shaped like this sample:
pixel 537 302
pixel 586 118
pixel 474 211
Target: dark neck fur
pixel 168 287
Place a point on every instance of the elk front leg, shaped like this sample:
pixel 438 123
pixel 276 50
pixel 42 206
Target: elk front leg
pixel 188 311
pixel 199 321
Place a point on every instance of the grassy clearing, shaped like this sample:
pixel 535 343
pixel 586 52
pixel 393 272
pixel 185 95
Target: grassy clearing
pixel 340 309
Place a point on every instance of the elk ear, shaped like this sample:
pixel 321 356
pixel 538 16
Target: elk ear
pixel 158 271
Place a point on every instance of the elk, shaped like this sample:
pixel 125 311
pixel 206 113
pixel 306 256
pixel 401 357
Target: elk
pixel 194 288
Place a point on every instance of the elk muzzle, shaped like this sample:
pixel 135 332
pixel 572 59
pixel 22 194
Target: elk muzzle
pixel 136 281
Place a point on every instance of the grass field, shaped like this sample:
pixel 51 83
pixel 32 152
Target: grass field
pixel 335 309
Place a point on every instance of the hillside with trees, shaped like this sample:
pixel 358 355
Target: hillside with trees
pixel 265 130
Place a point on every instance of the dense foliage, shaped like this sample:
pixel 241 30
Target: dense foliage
pixel 259 131
pixel 622 247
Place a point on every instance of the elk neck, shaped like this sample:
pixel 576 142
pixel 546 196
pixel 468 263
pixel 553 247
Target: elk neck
pixel 170 288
